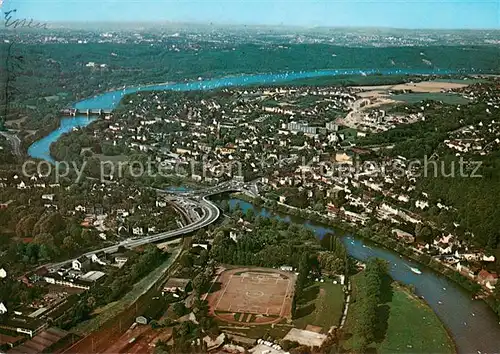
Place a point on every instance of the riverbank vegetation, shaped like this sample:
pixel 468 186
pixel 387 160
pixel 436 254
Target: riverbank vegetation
pixel 388 318
pixel 377 233
pixel 266 243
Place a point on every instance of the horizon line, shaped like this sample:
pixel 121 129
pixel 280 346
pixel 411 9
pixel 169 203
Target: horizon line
pixel 277 26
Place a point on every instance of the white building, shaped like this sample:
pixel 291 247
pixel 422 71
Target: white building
pixel 3 309
pixel 138 231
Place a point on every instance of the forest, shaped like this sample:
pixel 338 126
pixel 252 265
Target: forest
pixel 273 243
pixel 52 76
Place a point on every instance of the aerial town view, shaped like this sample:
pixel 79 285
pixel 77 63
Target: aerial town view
pixel 266 177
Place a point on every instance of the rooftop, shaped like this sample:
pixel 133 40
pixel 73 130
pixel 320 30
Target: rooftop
pixel 176 283
pixel 92 276
pixel 311 339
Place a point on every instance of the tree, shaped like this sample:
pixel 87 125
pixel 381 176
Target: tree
pixel 423 232
pixel 179 308
pixel 69 243
pixel 186 260
pixel 250 214
pixel 199 283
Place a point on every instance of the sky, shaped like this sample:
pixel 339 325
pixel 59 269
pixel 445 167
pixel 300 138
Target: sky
pixel 443 14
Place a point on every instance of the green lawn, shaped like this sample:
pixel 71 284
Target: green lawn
pixel 414 327
pixel 410 326
pixel 324 309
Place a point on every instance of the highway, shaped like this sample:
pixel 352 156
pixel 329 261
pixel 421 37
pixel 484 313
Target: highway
pixel 210 213
pixel 14 141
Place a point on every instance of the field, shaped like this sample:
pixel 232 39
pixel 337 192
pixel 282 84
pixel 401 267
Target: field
pixel 407 325
pixel 325 309
pixel 447 98
pixel 253 296
pixel 416 92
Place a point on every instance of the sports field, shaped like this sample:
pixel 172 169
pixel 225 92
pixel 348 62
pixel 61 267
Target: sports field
pixel 253 295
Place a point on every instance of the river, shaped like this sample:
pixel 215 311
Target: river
pixel 109 100
pixel 472 324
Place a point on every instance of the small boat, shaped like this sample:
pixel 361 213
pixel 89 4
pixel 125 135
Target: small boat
pixel 415 270
pixel 444 288
pixel 439 302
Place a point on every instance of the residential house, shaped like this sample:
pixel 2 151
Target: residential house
pixel 138 231
pixel 465 271
pixel 355 217
pixel 161 203
pixel 48 197
pixel 487 279
pixel 99 258
pixel 5 205
pixel 3 273
pixel 80 264
pixel 233 235
pixel 3 309
pixel 120 259
pixel 205 246
pixel 80 208
pixel 404 236
pixel 488 258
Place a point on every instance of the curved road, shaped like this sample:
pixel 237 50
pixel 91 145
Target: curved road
pixel 210 214
pixel 14 140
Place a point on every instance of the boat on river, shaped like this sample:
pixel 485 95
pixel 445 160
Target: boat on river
pixel 415 270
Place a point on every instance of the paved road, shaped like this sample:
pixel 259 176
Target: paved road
pixel 210 213
pixel 14 141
